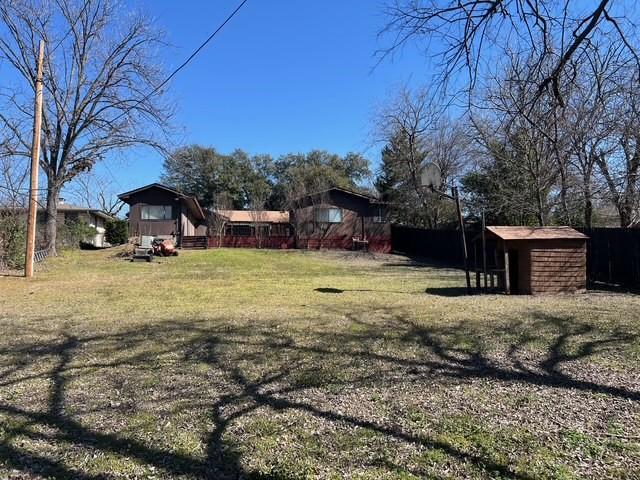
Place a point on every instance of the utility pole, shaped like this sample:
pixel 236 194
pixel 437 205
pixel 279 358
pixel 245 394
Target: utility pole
pixel 35 165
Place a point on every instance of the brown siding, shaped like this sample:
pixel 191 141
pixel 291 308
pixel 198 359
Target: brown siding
pixel 357 221
pixel 548 266
pixel 153 196
pixel 551 266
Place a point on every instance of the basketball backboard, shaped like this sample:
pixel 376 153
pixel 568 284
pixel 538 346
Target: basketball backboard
pixel 431 176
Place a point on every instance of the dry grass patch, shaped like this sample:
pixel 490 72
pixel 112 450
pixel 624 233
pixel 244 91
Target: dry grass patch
pixel 267 364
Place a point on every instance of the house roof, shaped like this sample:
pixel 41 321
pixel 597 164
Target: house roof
pixel 536 233
pixel 191 202
pixel 255 216
pixel 68 207
pixel 370 198
pixel 125 195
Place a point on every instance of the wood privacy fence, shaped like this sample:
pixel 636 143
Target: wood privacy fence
pixel 613 254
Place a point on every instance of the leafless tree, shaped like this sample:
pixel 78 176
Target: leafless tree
pixel 620 165
pixel 96 191
pixel 258 217
pixel 99 68
pixel 471 36
pixel 527 142
pixel 415 130
pixel 14 182
pixel 590 121
pixel 216 224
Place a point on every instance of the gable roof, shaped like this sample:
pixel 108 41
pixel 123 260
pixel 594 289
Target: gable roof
pixel 123 196
pixel 536 233
pixel 191 202
pixel 255 216
pixel 370 198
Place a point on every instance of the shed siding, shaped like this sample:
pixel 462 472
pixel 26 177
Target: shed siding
pixel 558 266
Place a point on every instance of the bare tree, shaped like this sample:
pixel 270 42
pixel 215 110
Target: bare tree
pixel 472 35
pixel 99 69
pixel 620 165
pixel 590 120
pixel 524 144
pixel 216 224
pixel 14 182
pixel 96 191
pixel 415 131
pixel 258 217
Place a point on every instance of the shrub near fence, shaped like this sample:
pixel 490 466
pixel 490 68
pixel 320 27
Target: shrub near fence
pixel 613 254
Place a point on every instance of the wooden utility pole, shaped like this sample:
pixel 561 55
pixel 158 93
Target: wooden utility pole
pixel 35 165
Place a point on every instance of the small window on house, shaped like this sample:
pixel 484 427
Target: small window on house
pixel 71 217
pixel 329 215
pixel 242 230
pixel 280 230
pixel 263 230
pixel 380 215
pixel 156 212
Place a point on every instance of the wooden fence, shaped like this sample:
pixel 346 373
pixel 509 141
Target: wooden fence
pixel 613 254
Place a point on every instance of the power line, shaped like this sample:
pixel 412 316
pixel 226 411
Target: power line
pixel 184 64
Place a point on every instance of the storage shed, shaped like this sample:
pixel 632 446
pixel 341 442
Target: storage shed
pixel 539 260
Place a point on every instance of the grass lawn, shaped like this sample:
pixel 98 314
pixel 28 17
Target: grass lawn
pixel 272 364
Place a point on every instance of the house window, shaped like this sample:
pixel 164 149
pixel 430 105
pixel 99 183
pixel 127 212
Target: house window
pixel 329 215
pixel 280 230
pixel 241 231
pixel 71 217
pixel 380 216
pixel 156 212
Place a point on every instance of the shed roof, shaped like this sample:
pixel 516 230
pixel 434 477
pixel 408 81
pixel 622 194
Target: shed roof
pixel 536 233
pixel 255 216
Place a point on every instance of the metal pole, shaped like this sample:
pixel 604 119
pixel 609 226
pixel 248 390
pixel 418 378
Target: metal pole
pixel 484 250
pixel 456 196
pixel 35 160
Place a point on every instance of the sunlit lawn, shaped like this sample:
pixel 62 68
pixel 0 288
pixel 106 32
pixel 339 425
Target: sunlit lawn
pixel 273 364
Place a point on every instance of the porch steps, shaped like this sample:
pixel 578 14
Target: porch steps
pixel 193 242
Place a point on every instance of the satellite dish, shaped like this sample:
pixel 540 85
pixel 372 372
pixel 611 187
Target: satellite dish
pixel 431 176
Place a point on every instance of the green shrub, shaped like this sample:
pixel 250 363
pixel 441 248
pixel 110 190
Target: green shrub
pixel 116 232
pixel 72 232
pixel 12 239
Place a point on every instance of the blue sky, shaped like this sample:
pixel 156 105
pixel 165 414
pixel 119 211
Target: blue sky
pixel 283 76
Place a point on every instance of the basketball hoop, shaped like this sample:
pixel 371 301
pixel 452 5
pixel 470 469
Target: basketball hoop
pixel 431 176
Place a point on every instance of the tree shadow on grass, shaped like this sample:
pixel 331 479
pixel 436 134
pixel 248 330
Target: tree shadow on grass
pixel 239 370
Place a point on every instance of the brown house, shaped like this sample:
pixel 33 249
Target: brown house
pixel 539 260
pixel 335 218
pixel 161 211
pixel 341 219
pixel 250 229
